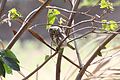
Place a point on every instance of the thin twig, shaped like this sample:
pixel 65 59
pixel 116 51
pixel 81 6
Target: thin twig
pixel 82 29
pixel 78 54
pixel 68 11
pixel 71 61
pixel 74 63
pixel 21 73
pixel 106 32
pixel 44 24
pixel 100 22
pixel 81 22
pixel 71 17
pixel 76 48
pixel 81 36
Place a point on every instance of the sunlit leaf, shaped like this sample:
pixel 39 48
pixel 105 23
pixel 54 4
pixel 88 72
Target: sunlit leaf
pixel 113 25
pixel 14 14
pixel 105 26
pixel 52 15
pixel 8 69
pixel 106 4
pixel 109 25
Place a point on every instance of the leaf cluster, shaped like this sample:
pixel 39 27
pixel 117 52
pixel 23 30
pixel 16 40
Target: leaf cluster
pixel 13 14
pixel 106 4
pixel 8 61
pixel 109 25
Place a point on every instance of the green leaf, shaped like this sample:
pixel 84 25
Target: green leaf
pixel 9 53
pixel 11 63
pixel 2 69
pixel 113 25
pixel 51 20
pixel 106 4
pixel 103 4
pixel 105 26
pixel 52 15
pixel 46 57
pixel 55 12
pixel 8 69
pixel 14 14
pixel 109 25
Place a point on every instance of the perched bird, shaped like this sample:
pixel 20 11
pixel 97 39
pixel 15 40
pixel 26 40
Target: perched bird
pixel 57 35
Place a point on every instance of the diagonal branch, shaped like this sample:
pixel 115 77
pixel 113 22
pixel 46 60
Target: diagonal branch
pixel 39 37
pixel 98 49
pixel 71 61
pixel 26 23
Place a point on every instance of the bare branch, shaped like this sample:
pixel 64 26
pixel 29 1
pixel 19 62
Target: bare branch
pixel 71 61
pixel 26 23
pixel 81 22
pixel 71 17
pixel 68 11
pixel 81 36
